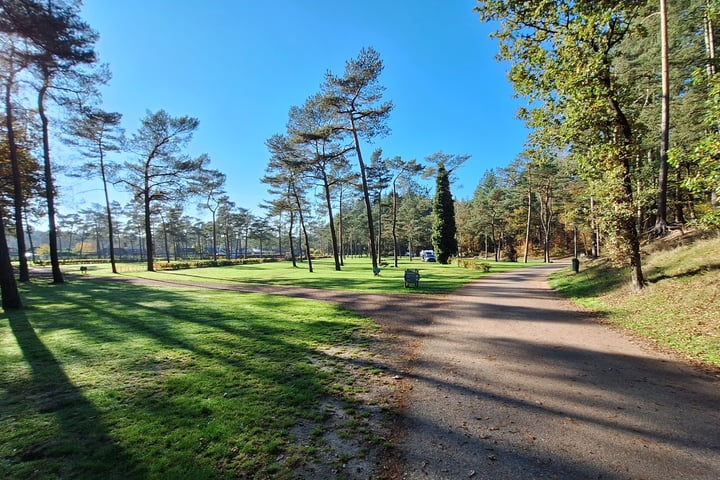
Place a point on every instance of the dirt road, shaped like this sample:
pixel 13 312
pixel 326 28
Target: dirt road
pixel 511 382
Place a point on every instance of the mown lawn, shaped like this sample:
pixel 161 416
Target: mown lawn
pixel 109 380
pixel 356 275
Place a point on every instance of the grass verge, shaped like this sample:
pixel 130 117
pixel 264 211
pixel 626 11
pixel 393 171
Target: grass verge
pixel 679 308
pixel 111 380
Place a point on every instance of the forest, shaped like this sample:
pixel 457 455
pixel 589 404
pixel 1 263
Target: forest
pixel 621 98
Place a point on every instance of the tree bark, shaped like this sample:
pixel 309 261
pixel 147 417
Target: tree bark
pixel 18 196
pixel 709 40
pixel 304 230
pixel 8 287
pixel 49 184
pixel 661 218
pixel 527 226
pixel 628 224
pixel 366 196
pixel 290 235
pixel 331 219
pixel 108 213
pixel 394 224
pixel 150 253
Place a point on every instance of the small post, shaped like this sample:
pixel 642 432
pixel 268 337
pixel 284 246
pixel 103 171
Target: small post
pixel 575 261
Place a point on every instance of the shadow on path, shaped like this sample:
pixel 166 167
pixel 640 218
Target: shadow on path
pixel 511 382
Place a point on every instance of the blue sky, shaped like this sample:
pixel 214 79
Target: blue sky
pixel 239 65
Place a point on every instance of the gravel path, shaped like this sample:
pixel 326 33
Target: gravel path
pixel 512 382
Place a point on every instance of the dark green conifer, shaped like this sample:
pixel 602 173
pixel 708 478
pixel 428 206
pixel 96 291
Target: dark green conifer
pixel 443 234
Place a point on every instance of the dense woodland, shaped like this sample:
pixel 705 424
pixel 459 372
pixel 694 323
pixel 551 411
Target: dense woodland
pixel 622 99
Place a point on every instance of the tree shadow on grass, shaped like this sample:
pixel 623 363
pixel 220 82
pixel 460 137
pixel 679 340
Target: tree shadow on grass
pixel 185 379
pixel 76 443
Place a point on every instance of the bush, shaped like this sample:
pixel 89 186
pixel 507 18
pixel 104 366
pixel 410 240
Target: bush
pixel 474 264
pixel 221 262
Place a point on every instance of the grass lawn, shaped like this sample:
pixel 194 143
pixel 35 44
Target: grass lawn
pixel 117 381
pixel 356 275
pixel 108 380
pixel 680 306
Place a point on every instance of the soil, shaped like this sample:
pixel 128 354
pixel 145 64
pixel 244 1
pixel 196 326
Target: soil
pixel 504 379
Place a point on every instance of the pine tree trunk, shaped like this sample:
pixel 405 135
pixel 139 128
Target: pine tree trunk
pixel 527 226
pixel 333 233
pixel 661 218
pixel 8 287
pixel 291 225
pixel 150 254
pixel 304 230
pixel 108 213
pixel 366 197
pixel 18 197
pixel 394 225
pixel 49 185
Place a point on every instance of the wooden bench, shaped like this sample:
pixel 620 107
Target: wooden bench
pixel 412 277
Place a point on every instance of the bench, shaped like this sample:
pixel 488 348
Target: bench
pixel 412 277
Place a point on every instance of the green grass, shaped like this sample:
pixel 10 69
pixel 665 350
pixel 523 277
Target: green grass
pixel 105 380
pixel 356 275
pixel 680 306
pixel 118 381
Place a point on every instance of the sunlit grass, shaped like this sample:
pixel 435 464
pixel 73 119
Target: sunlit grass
pixel 679 308
pixel 110 380
pixel 356 275
pixel 119 381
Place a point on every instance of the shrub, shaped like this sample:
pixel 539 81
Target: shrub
pixel 473 264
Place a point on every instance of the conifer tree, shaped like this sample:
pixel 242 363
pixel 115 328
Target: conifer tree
pixel 443 233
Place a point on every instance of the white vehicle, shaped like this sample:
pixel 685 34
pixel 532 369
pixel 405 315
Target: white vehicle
pixel 427 255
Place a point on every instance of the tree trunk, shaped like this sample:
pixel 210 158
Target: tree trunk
pixel 366 196
pixel 28 229
pixel 333 233
pixel 595 250
pixel 379 230
pixel 630 234
pixel 214 238
pixel 108 212
pixel 710 50
pixel 290 235
pixel 49 184
pixel 150 253
pixel 341 233
pixel 709 39
pixel 661 218
pixel 8 287
pixel 394 225
pixel 18 196
pixel 494 241
pixel 628 228
pixel 304 230
pixel 527 226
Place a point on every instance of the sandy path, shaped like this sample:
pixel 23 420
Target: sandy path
pixel 511 382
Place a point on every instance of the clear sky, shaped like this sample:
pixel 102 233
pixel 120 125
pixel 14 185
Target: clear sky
pixel 239 65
